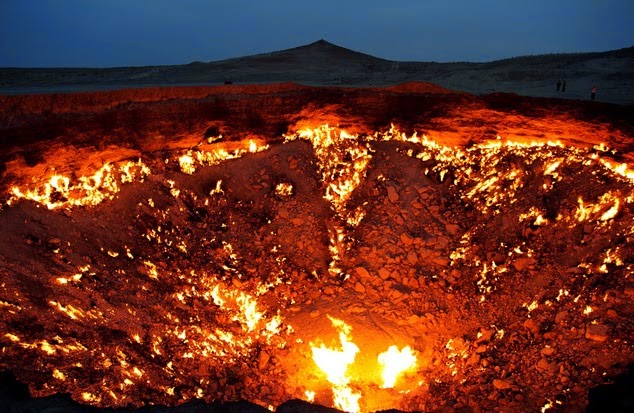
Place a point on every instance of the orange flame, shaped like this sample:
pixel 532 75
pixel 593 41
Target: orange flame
pixel 335 362
pixel 395 362
pixel 191 159
pixel 58 192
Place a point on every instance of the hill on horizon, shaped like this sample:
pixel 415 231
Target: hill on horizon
pixel 326 47
pixel 322 63
pixel 319 49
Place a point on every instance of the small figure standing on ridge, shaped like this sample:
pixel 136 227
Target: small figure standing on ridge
pixel 558 85
pixel 593 92
pixel 563 86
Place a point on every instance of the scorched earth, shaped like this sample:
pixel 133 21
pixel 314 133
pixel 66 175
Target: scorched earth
pixel 360 271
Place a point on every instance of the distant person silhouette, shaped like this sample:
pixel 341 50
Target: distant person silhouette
pixel 593 92
pixel 558 85
pixel 563 86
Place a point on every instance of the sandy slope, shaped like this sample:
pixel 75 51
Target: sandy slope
pixel 322 63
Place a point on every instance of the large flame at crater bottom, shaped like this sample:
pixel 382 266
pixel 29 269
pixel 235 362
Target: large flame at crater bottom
pixel 395 362
pixel 338 363
pixel 335 362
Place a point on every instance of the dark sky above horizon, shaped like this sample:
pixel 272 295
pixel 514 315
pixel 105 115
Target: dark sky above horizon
pixel 106 33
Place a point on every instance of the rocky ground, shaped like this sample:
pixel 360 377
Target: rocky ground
pixel 505 264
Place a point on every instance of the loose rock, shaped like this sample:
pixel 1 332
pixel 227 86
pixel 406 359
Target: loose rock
pixel 501 384
pixel 263 360
pixel 523 263
pixel 561 316
pixel 406 239
pixel 597 332
pixel 392 194
pixel 531 325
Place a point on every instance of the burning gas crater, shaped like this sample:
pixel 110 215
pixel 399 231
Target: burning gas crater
pixel 204 276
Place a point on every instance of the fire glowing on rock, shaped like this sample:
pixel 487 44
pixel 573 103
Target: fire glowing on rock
pixel 343 373
pixel 334 363
pixel 59 192
pixel 395 362
pixel 199 283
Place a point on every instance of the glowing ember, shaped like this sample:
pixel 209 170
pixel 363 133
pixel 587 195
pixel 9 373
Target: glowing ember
pixel 334 362
pixel 218 189
pixel 284 189
pixel 608 207
pixel 310 395
pixel 59 192
pixel 186 163
pixel 395 362
pixel 191 159
pixel 343 160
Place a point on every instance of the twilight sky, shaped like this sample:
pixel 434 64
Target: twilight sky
pixel 103 33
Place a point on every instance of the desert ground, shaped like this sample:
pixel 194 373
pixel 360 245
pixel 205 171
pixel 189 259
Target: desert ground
pixel 325 64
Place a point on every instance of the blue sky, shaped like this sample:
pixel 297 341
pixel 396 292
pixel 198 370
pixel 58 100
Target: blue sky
pixel 105 33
